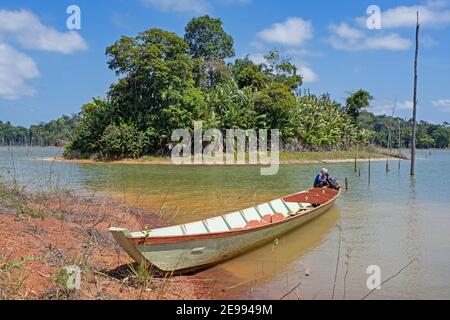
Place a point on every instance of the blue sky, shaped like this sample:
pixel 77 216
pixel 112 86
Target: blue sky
pixel 47 70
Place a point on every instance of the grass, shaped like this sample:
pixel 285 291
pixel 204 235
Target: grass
pixel 12 275
pixel 21 203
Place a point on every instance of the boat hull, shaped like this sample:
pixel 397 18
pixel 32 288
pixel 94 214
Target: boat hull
pixel 199 252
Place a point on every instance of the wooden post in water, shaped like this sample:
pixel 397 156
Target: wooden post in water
pixel 414 120
pixel 346 184
pixel 369 169
pixel 355 164
pixel 387 164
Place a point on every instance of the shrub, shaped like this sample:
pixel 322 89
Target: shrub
pixel 122 141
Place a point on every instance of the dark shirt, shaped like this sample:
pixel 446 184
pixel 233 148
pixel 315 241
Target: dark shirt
pixel 321 180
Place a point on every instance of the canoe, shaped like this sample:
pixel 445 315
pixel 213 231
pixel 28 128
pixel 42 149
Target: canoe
pixel 187 248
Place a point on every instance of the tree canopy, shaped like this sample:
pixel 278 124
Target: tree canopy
pixel 166 82
pixel 207 39
pixel 357 102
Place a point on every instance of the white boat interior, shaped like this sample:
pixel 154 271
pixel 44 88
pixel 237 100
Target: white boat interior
pixel 269 212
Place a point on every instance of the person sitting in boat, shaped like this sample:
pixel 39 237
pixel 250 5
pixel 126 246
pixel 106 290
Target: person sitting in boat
pixel 322 179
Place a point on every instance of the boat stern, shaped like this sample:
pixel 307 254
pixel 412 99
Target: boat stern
pixel 122 236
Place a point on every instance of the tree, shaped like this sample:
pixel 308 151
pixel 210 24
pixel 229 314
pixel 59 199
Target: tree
pixel 157 78
pixel 276 103
pixel 207 39
pixel 357 102
pixel 281 69
pixel 208 45
pixel 248 74
pixel 151 66
pixel 318 123
pixel 94 118
pixel 414 124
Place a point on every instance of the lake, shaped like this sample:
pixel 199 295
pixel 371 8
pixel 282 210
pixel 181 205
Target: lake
pixel 387 223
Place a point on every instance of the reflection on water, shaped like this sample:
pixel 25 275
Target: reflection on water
pixel 244 275
pixel 388 223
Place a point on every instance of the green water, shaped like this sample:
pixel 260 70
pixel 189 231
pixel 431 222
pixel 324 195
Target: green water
pixel 388 223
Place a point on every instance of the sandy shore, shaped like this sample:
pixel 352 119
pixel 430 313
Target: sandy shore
pixel 168 161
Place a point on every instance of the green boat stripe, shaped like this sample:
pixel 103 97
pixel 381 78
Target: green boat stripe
pixel 226 222
pixel 206 226
pixel 271 207
pixel 183 229
pixel 259 213
pixel 285 205
pixel 242 215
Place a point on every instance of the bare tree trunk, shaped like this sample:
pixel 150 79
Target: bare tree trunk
pixel 413 138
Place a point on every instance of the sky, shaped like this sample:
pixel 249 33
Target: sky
pixel 48 69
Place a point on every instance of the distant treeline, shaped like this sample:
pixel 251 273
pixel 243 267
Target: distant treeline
pixel 393 132
pixel 54 133
pixel 383 130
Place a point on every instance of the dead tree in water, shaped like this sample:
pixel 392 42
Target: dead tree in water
pixel 414 128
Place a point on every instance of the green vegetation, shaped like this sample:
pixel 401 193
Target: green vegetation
pixel 166 82
pixel 54 133
pixel 385 132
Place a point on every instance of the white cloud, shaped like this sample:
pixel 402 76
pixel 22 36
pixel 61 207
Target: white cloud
pixel 309 76
pixel 388 42
pixel 442 104
pixel 386 107
pixel 345 31
pixel 25 28
pixel 303 53
pixel 257 58
pixel 351 39
pixel 182 6
pixel 292 32
pixel 432 13
pixel 15 69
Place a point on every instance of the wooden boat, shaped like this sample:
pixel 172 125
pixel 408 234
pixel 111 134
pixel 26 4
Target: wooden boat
pixel 189 247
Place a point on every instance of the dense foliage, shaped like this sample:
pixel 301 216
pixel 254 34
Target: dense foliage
pixel 54 133
pixel 166 82
pixel 387 131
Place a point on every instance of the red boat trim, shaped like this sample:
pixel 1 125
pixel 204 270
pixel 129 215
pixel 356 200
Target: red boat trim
pixel 226 234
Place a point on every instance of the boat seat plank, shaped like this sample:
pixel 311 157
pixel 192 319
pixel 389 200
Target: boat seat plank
pixel 265 209
pixel 280 207
pixel 195 228
pixel 235 220
pixel 251 214
pixel 293 206
pixel 217 224
pixel 167 232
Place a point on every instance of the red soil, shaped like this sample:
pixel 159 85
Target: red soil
pixel 74 231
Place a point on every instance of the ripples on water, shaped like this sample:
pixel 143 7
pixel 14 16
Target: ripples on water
pixel 388 223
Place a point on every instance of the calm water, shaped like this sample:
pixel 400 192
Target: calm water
pixel 388 223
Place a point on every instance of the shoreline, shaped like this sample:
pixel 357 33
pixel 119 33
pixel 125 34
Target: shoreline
pixel 168 161
pixel 44 233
